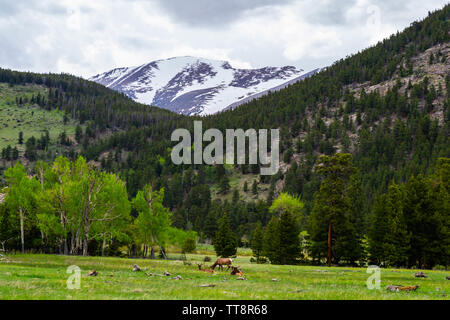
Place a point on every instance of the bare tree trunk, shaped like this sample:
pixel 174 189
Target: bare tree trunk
pixel 73 242
pixel 152 253
pixel 162 252
pixel 22 232
pixel 85 247
pixel 85 236
pixel 66 248
pixel 329 244
pixel 103 247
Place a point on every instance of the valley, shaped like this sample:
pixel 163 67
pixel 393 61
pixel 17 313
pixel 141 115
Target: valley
pixel 44 277
pixel 365 162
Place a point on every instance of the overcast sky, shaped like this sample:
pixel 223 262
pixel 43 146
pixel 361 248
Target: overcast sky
pixel 85 37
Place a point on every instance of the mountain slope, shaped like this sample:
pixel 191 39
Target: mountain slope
pixel 388 106
pixel 196 86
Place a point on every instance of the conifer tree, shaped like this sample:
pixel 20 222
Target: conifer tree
pixel 78 134
pixel 225 242
pixel 333 207
pixel 289 240
pixel 224 184
pixel 257 242
pixel 272 241
pixel 255 187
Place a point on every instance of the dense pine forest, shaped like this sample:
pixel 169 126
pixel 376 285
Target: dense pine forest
pixel 364 175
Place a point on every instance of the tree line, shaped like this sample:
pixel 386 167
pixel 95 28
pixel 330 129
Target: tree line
pixel 391 137
pixel 71 207
pixel 409 226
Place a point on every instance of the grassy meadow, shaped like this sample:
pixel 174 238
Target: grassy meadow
pixel 44 277
pixel 29 119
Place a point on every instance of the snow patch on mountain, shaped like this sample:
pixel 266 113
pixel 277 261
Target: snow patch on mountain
pixel 195 86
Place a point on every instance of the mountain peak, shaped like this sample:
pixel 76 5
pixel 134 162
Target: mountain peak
pixel 196 86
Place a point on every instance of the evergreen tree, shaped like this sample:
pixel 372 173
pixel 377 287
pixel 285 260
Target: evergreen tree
pixel 255 187
pixel 424 223
pixel 271 193
pixel 15 153
pixel 210 225
pixel 378 231
pixel 333 208
pixel 289 240
pixel 236 197
pixel 224 184
pixel 398 238
pixel 78 134
pixel 272 241
pixel 257 242
pixel 225 242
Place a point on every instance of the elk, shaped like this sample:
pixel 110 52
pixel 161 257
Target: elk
pixel 221 262
pixel 204 270
pixel 236 272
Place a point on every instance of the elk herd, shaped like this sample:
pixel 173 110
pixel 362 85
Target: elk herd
pixel 221 262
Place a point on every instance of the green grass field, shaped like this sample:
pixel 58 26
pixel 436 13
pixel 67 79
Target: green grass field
pixel 44 277
pixel 31 120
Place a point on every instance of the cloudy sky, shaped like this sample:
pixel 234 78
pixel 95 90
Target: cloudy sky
pixel 85 37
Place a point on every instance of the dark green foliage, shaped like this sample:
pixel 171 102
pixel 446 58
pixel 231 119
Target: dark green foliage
pixel 224 185
pixel 189 245
pixel 391 137
pixel 410 224
pixel 255 187
pixel 281 242
pixel 289 241
pixel 78 134
pixel 257 242
pixel 334 211
pixel 225 243
pixel 389 236
pixel 271 244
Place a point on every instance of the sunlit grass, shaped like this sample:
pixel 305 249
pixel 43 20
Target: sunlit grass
pixel 44 277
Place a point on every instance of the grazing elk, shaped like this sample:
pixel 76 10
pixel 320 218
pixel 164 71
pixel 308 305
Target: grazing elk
pixel 204 270
pixel 236 272
pixel 221 262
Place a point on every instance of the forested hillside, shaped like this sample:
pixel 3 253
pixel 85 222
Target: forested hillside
pixel 381 117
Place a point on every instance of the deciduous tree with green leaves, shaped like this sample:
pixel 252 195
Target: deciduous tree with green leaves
pixel 153 221
pixel 21 196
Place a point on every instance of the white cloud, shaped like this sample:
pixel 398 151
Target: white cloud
pixel 88 37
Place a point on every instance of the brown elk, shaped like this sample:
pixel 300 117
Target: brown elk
pixel 204 270
pixel 236 272
pixel 221 262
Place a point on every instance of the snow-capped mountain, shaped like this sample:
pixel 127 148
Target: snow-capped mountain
pixel 196 86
